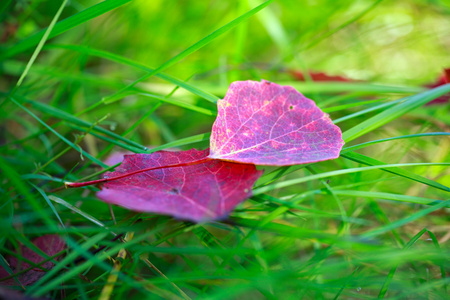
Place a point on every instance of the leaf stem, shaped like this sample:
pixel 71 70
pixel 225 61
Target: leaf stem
pixel 92 182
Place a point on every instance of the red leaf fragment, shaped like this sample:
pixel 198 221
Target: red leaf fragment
pixel 443 79
pixel 50 244
pixel 197 192
pixel 264 123
pixel 317 76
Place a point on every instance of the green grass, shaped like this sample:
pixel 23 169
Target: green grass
pixel 80 83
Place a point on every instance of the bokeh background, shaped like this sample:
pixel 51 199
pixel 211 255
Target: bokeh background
pixel 383 50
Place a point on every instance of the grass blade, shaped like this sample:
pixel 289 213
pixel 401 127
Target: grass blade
pixel 287 183
pixel 390 276
pixel 394 112
pixel 39 46
pixel 203 42
pixel 363 145
pixel 409 219
pixel 128 62
pixel 387 196
pixel 360 158
pixel 64 25
pixel 60 114
pixel 84 153
pixel 77 210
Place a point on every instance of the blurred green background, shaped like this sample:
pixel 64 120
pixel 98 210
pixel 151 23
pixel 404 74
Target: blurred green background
pixel 395 42
pixel 390 42
pixel 390 48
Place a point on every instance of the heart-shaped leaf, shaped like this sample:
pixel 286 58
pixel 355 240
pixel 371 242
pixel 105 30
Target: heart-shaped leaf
pixel 198 192
pixel 264 123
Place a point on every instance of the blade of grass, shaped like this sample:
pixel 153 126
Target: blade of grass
pixel 202 137
pixel 44 195
pixel 365 111
pixel 343 25
pixel 409 219
pixel 278 173
pixel 35 53
pixel 387 196
pixel 360 158
pixel 344 230
pixel 390 276
pixel 347 280
pixel 295 232
pixel 39 47
pixel 109 140
pixel 205 111
pixel 382 219
pixel 287 183
pixel 78 211
pixel 41 177
pixel 117 266
pixel 39 289
pixel 65 261
pixel 395 112
pixel 363 145
pixel 239 44
pixel 438 248
pixel 4 264
pixel 64 25
pixel 18 183
pixel 422 290
pixel 128 62
pixel 84 153
pixel 275 29
pixel 4 5
pixel 198 45
pixel 60 114
pixel 350 105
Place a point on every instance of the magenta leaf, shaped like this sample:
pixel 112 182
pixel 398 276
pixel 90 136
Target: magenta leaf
pixel 50 244
pixel 199 192
pixel 264 123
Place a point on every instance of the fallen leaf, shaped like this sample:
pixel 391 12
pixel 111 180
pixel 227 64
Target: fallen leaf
pixel 258 123
pixel 198 192
pixel 50 244
pixel 264 123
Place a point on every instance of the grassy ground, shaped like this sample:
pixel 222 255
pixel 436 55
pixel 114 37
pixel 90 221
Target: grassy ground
pixel 122 75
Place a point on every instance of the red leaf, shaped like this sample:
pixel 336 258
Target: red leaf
pixel 317 76
pixel 50 244
pixel 443 79
pixel 198 192
pixel 264 123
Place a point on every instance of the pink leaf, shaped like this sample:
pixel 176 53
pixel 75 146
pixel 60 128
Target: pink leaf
pixel 264 123
pixel 198 192
pixel 50 244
